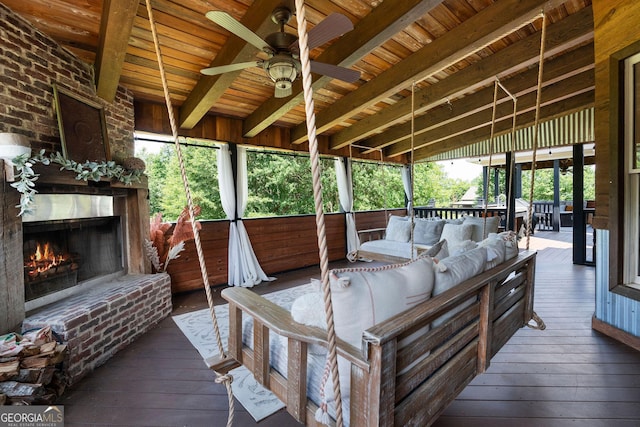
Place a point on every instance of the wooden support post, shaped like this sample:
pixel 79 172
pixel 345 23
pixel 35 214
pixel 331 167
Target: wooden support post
pixel 11 276
pixel 235 339
pixel 296 379
pixel 382 384
pixel 261 353
pixel 485 327
pixel 528 302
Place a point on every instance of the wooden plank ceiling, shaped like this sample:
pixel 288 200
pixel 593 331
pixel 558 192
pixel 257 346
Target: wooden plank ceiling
pixel 448 51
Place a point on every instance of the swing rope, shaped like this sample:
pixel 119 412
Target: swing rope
pixel 225 379
pixel 317 196
pixel 413 134
pixel 491 149
pixel 535 126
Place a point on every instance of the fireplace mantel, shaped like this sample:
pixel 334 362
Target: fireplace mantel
pixel 130 203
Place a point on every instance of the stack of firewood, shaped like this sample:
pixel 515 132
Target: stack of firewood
pixel 30 368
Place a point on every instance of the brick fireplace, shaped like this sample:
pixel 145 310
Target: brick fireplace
pixel 106 298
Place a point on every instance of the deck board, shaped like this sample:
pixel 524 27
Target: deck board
pixel 566 375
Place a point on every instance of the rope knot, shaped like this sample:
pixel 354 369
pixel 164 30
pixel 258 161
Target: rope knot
pixel 224 379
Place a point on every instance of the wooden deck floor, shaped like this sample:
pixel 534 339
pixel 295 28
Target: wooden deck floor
pixel 565 375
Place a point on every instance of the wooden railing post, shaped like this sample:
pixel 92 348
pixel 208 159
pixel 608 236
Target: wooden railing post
pixel 235 338
pixel 297 379
pixel 261 353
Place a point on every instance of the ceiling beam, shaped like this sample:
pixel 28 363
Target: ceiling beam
pixel 573 86
pixel 558 109
pixel 557 69
pixel 561 35
pixel 472 35
pixel 385 21
pixel 210 88
pixel 115 28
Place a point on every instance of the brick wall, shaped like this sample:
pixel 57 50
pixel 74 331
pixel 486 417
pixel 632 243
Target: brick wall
pixel 95 325
pixel 30 63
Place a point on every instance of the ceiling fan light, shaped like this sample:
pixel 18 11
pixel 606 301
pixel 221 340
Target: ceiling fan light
pixel 282 72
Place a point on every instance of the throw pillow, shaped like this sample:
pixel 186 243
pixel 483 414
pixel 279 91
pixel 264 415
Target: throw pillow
pixel 427 232
pixel 511 243
pixel 454 270
pixel 438 251
pixel 478 224
pixel 398 229
pixel 363 297
pixel 456 234
pixel 496 250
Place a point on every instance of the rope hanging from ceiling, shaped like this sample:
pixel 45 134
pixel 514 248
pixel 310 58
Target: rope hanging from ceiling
pixel 320 224
pixel 536 124
pixel 221 378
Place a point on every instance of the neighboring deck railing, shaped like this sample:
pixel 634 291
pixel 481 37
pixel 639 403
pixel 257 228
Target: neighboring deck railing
pixel 454 213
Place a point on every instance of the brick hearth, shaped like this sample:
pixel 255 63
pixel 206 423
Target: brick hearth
pixel 97 324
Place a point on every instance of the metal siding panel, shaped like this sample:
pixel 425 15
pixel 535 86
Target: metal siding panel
pixel 616 310
pixel 574 128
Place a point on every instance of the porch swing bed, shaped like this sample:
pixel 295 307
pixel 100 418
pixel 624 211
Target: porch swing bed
pixel 404 370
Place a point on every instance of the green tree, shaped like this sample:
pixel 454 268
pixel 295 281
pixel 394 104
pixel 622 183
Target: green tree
pixel 281 184
pixel 166 190
pixel 377 186
pixel 156 171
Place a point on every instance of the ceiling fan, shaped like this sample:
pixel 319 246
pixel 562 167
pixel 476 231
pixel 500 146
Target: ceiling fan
pixel 282 49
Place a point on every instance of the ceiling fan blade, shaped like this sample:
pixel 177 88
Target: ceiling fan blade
pixel 229 23
pixel 337 72
pixel 328 29
pixel 231 67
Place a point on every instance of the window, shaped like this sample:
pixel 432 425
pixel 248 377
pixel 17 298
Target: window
pixel 631 126
pixel 377 186
pixel 280 184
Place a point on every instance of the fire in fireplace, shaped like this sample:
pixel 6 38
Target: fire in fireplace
pixel 49 269
pixel 75 248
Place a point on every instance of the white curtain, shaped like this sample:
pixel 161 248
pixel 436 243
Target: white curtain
pixel 244 268
pixel 345 192
pixel 406 183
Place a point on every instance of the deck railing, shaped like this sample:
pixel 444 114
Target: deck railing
pixel 454 213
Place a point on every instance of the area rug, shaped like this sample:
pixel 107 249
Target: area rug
pixel 197 326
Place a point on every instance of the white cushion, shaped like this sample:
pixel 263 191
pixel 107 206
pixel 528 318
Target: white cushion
pixel 427 232
pixel 454 270
pixel 511 244
pixel 438 251
pixel 465 246
pixel 398 229
pixel 478 224
pixel 496 250
pixel 308 309
pixel 389 247
pixel 363 297
pixel 456 234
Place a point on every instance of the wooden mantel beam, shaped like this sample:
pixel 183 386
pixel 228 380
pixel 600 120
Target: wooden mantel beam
pixel 571 31
pixel 472 35
pixel 392 17
pixel 115 28
pixel 210 88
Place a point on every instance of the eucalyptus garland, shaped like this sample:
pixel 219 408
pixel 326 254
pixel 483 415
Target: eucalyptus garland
pixel 26 177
